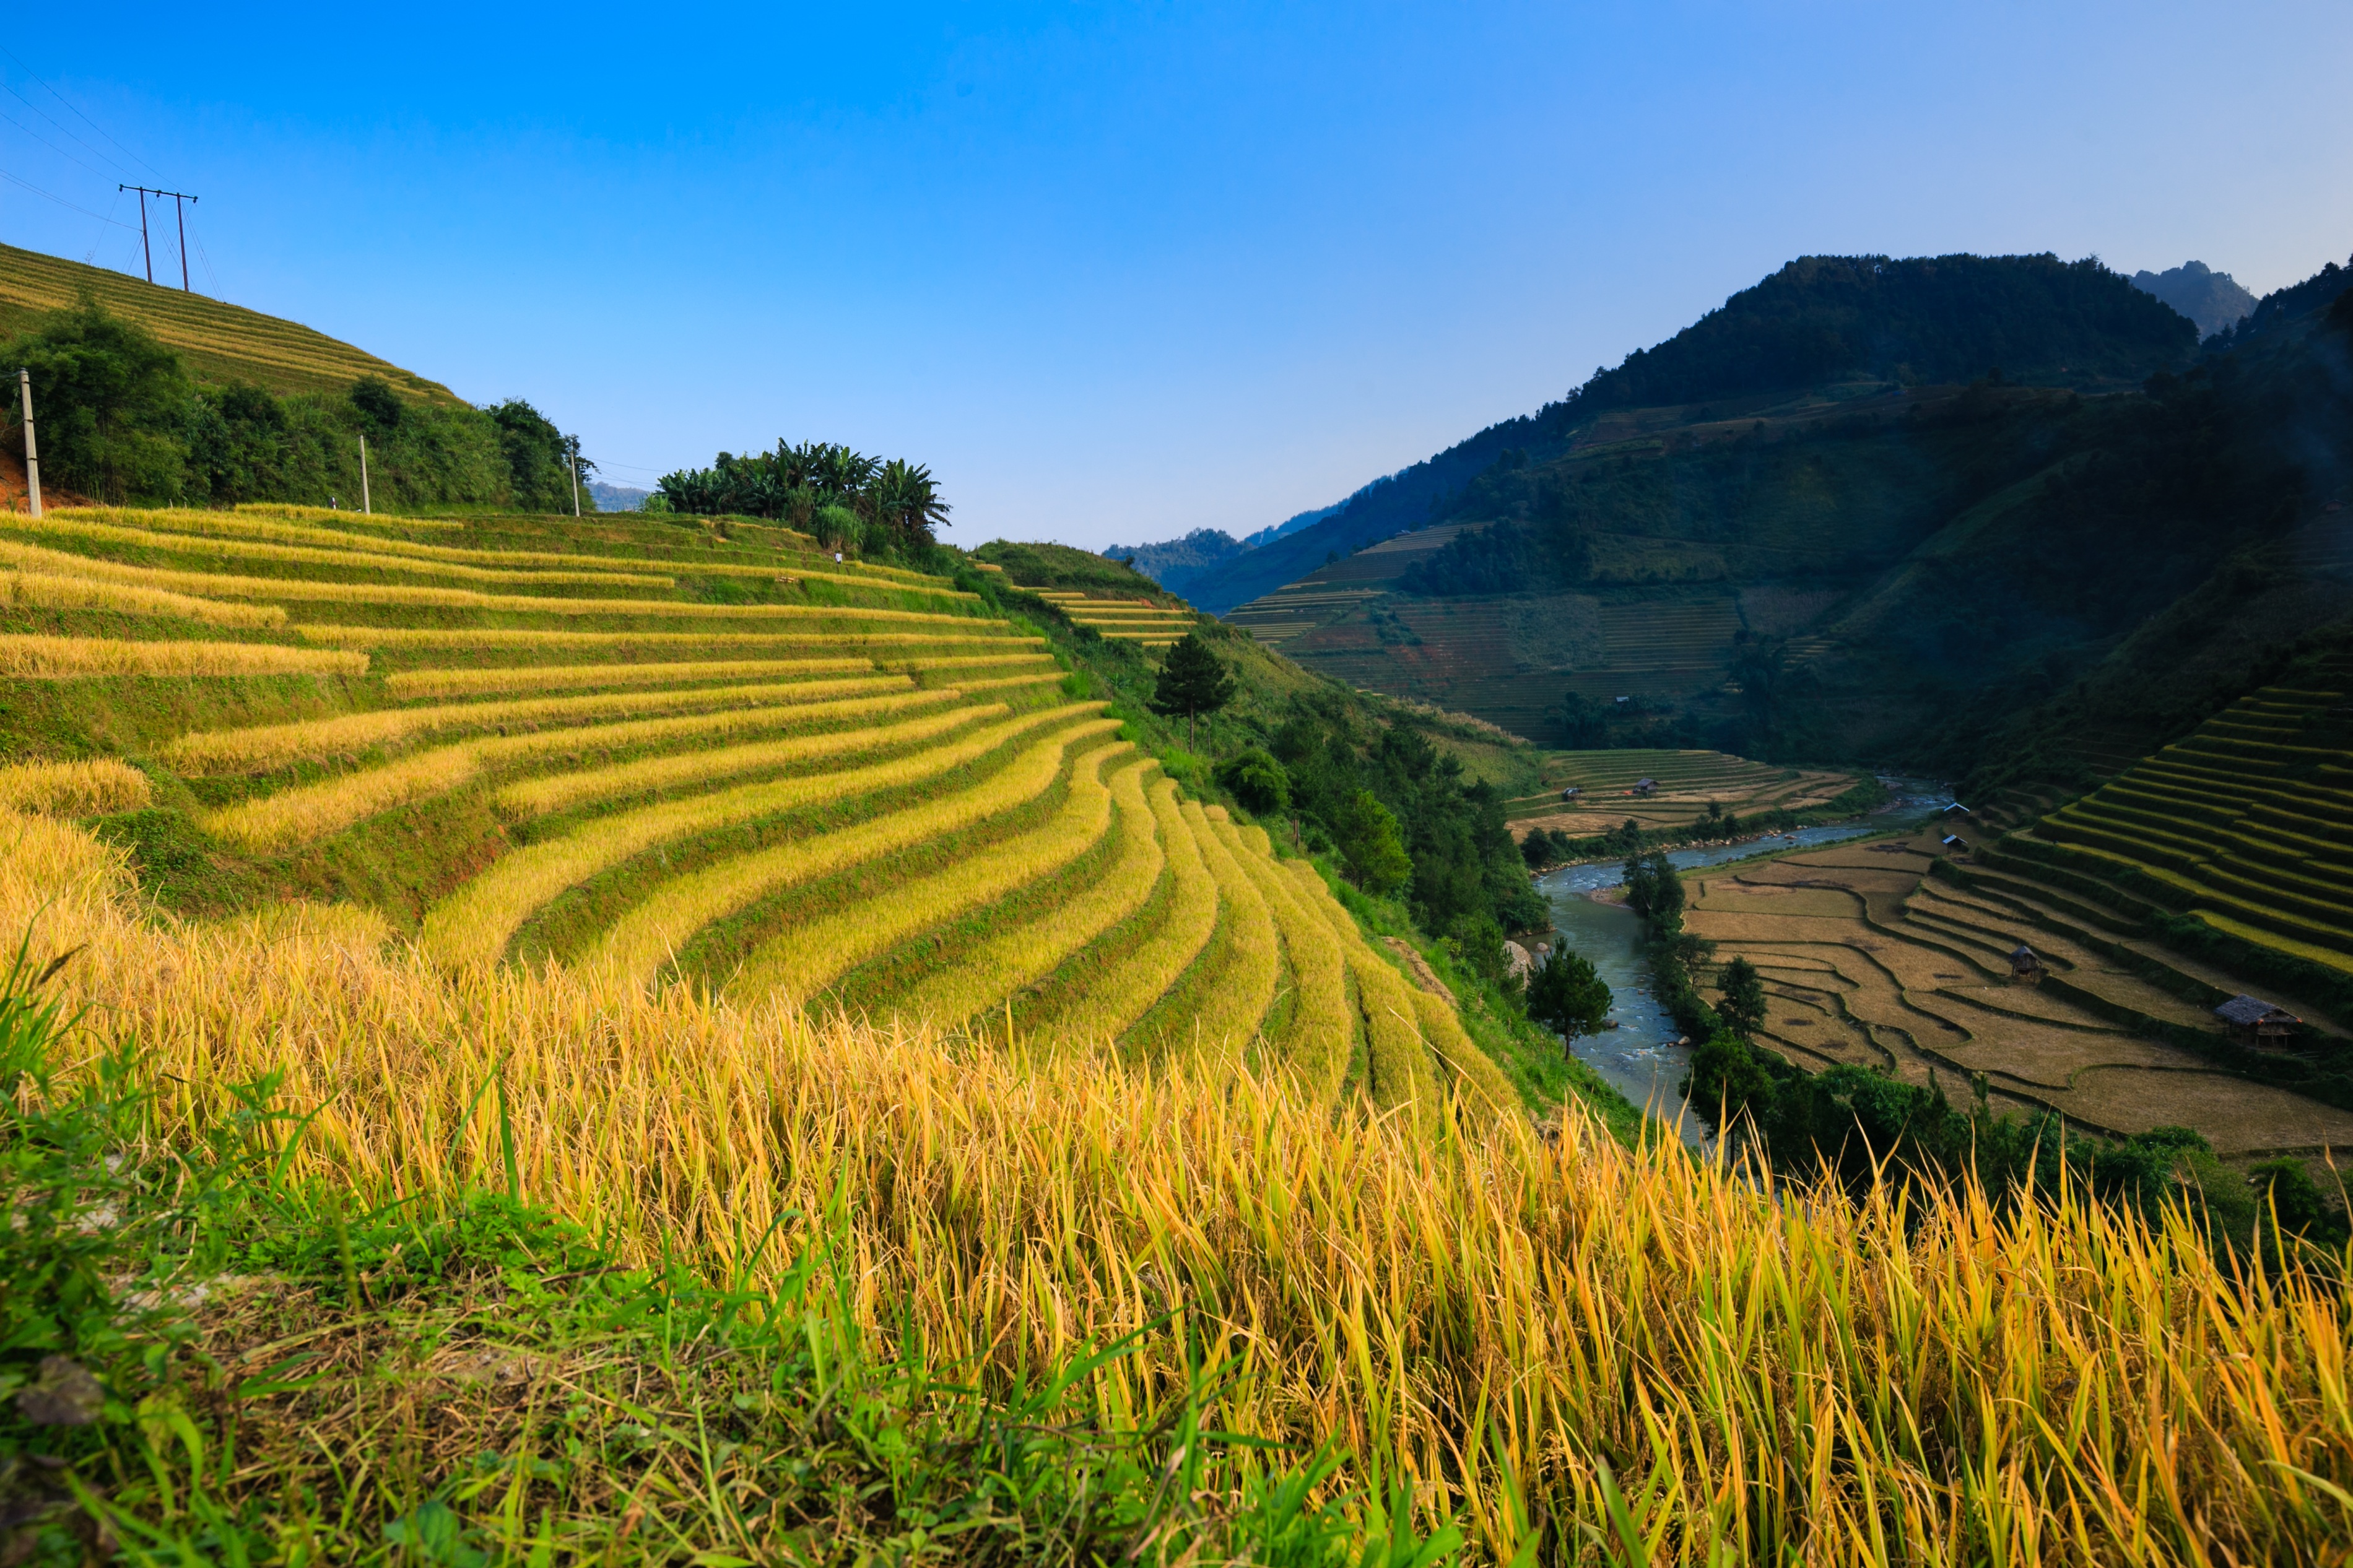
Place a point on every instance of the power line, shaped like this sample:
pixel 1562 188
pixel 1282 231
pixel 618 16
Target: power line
pixel 85 118
pixel 59 200
pixel 64 130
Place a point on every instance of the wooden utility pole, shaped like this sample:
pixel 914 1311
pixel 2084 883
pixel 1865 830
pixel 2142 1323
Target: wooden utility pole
pixel 366 504
pixel 181 213
pixel 32 452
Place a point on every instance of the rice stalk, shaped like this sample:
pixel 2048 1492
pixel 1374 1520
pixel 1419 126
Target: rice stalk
pixel 48 591
pixel 80 526
pixel 94 787
pixel 25 656
pixel 412 684
pixel 260 747
pixel 1238 1001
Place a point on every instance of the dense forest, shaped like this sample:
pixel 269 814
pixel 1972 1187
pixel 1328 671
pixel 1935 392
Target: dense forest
pixel 120 420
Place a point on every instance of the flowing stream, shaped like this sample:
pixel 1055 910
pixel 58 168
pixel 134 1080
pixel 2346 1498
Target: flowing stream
pixel 1639 1058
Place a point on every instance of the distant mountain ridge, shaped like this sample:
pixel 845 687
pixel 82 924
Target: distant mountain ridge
pixel 2037 319
pixel 2213 300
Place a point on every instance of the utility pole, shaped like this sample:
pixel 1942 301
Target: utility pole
pixel 573 452
pixel 180 212
pixel 32 452
pixel 366 504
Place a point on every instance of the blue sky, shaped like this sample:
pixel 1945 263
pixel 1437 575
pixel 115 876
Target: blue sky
pixel 1116 273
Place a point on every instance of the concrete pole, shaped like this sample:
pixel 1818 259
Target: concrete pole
pixel 366 504
pixel 32 451
pixel 575 454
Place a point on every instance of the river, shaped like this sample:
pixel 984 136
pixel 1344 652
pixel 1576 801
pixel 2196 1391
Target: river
pixel 1639 1058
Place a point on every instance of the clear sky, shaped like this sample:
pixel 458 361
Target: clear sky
pixel 1120 271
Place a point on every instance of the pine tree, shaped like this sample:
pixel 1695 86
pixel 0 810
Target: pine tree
pixel 1566 996
pixel 1743 1008
pixel 1192 682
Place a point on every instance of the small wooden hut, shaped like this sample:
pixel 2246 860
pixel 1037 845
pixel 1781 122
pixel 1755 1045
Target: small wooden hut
pixel 2025 966
pixel 1645 786
pixel 2252 1021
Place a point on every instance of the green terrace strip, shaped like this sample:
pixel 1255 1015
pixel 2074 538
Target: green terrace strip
pixel 804 961
pixel 49 591
pixel 528 798
pixel 639 945
pixel 513 638
pixel 36 657
pixel 57 526
pixel 214 525
pixel 218 585
pixel 474 925
pixel 1028 954
pixel 412 683
pixel 267 746
pixel 310 812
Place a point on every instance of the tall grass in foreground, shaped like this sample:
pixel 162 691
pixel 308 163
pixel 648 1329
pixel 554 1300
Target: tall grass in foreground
pixel 1630 1356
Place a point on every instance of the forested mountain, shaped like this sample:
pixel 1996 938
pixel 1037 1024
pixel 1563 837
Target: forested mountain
pixel 1878 568
pixel 1819 321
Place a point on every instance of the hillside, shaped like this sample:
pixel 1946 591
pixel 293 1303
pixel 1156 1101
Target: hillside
pixel 1874 571
pixel 2211 300
pixel 1845 324
pixel 714 758
pixel 221 343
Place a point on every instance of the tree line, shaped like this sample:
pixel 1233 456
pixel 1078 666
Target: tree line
pixel 844 498
pixel 119 419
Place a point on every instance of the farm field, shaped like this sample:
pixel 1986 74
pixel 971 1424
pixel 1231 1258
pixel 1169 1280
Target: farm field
pixel 220 341
pixel 1687 782
pixel 1870 958
pixel 731 765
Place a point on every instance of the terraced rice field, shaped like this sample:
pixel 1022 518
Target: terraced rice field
pixel 1140 621
pixel 221 342
pixel 629 747
pixel 1687 782
pixel 2246 826
pixel 1869 959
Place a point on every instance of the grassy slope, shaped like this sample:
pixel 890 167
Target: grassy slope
pixel 220 341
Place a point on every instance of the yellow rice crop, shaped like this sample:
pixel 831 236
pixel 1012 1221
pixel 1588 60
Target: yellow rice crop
pixel 462 682
pixel 806 960
pixel 89 788
pixel 59 525
pixel 242 525
pixel 1234 1006
pixel 1008 682
pixel 32 657
pixel 48 591
pixel 1320 1037
pixel 478 638
pixel 474 925
pixel 1770 1372
pixel 297 815
pixel 929 665
pixel 261 747
pixel 324 514
pixel 558 792
pixel 34 557
pixel 1110 1002
pixel 1396 1008
pixel 1002 965
pixel 639 944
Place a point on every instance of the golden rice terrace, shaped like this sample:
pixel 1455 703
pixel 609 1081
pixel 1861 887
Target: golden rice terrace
pixel 732 764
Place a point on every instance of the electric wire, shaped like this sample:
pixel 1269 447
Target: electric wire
pixel 85 118
pixel 61 201
pixel 51 145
